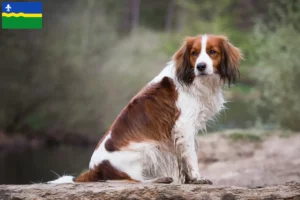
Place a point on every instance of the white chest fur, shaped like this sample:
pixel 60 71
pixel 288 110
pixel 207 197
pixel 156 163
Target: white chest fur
pixel 198 104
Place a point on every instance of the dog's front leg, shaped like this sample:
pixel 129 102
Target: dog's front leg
pixel 186 150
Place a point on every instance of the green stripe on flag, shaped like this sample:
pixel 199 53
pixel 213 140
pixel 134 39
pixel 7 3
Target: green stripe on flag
pixel 22 22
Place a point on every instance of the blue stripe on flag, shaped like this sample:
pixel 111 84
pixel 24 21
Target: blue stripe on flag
pixel 25 7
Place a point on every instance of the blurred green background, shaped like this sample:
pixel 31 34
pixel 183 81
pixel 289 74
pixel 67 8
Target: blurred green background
pixel 66 83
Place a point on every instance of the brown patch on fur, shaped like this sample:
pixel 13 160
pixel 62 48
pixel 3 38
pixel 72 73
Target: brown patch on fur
pixel 110 145
pixel 150 116
pixel 195 50
pixel 183 63
pixel 226 57
pixel 214 43
pixel 104 171
pixel 231 57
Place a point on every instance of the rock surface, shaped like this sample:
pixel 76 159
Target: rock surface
pixel 249 161
pixel 132 191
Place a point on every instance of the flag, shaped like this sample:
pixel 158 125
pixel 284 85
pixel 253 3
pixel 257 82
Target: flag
pixel 22 15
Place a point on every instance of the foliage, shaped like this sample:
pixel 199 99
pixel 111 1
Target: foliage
pixel 45 78
pixel 277 68
pixel 78 72
pixel 249 137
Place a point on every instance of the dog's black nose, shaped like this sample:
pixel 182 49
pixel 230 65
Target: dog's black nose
pixel 201 66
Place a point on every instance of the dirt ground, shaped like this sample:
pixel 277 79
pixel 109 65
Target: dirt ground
pixel 250 160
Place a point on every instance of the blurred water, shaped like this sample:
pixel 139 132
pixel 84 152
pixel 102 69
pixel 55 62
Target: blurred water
pixel 35 166
pixel 237 115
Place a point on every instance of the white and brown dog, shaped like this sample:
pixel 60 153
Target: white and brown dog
pixel 153 138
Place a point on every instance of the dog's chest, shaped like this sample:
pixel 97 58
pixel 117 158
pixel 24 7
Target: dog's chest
pixel 196 110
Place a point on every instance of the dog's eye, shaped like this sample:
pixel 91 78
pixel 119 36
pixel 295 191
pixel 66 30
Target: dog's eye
pixel 194 53
pixel 212 52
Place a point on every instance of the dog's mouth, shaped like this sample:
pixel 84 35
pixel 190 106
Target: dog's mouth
pixel 207 74
pixel 204 74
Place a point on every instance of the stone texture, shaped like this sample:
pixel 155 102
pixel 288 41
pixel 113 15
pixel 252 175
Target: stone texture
pixel 122 191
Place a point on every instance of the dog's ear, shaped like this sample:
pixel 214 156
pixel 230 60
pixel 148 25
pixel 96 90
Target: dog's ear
pixel 184 69
pixel 231 57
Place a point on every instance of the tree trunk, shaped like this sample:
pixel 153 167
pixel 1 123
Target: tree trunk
pixel 169 17
pixel 125 25
pixel 86 29
pixel 180 18
pixel 135 13
pixel 123 191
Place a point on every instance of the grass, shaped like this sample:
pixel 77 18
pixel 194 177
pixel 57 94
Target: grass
pixel 286 134
pixel 258 135
pixel 242 89
pixel 249 137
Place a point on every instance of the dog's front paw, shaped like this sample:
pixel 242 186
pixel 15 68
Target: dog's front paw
pixel 166 180
pixel 199 180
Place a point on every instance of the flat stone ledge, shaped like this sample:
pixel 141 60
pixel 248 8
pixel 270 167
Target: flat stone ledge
pixel 118 191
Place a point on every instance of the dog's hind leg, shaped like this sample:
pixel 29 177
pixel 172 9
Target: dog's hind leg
pixel 161 180
pixel 164 180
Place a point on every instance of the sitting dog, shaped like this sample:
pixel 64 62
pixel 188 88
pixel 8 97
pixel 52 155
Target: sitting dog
pixel 153 138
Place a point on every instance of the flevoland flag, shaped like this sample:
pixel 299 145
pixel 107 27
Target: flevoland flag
pixel 22 15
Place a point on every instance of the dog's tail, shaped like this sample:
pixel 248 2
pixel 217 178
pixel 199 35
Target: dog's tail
pixel 103 172
pixel 91 175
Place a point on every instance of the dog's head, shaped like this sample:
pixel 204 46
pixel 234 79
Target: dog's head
pixel 207 55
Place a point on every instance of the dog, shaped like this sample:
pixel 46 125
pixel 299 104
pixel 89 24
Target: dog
pixel 153 138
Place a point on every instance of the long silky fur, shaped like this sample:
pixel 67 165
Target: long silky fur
pixel 231 57
pixel 184 69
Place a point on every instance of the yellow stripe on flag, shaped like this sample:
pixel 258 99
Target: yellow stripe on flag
pixel 21 15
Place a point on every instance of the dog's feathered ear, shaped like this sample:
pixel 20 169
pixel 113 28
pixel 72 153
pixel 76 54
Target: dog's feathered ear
pixel 184 70
pixel 231 57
